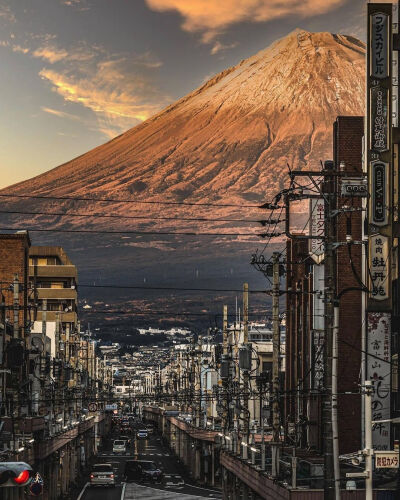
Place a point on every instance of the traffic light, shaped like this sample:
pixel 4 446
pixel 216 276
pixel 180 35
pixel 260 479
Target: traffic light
pixel 15 474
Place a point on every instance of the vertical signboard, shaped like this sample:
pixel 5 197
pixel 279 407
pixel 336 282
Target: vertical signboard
pixel 318 326
pixel 317 224
pixel 379 372
pixel 381 109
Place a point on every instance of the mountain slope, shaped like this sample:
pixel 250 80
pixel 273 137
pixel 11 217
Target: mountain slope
pixel 229 140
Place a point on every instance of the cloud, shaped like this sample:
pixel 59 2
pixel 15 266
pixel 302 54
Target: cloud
pixel 220 47
pixel 211 17
pixel 21 50
pixel 113 89
pixel 7 14
pixel 60 114
pixel 51 54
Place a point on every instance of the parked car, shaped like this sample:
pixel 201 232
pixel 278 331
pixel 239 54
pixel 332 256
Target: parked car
pixel 142 470
pixel 142 434
pixel 102 475
pixel 119 446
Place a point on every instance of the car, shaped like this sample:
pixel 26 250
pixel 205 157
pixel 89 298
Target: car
pixel 142 434
pixel 150 429
pixel 142 470
pixel 102 475
pixel 119 446
pixel 127 439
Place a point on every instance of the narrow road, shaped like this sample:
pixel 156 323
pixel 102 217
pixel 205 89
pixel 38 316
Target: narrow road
pixel 173 487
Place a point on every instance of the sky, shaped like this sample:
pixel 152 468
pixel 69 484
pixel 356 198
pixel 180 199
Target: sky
pixel 76 73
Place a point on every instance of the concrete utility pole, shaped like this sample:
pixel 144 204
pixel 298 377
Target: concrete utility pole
pixel 368 440
pixel 275 445
pixel 330 294
pixel 246 378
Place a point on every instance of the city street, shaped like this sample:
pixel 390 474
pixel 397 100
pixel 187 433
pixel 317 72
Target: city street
pixel 174 485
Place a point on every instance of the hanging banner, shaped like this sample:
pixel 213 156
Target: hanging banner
pixel 379 372
pixel 317 223
pixel 379 267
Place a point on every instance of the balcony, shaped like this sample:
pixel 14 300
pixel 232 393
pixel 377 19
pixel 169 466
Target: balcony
pixel 65 317
pixel 57 293
pixel 53 271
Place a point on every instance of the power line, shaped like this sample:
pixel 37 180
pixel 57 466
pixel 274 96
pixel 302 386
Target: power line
pixel 158 233
pixel 183 289
pixel 113 200
pixel 144 217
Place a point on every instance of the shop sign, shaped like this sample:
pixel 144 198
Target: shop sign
pixel 318 359
pixel 317 228
pixel 379 127
pixel 380 193
pixel 379 372
pixel 379 267
pixel 379 45
pixel 387 459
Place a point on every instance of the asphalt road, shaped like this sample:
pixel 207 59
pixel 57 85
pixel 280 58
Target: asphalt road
pixel 173 487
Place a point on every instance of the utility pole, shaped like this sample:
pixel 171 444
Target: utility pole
pixel 246 377
pixel 368 440
pixel 328 188
pixel 275 445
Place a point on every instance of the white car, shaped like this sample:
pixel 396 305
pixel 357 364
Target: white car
pixel 102 475
pixel 119 446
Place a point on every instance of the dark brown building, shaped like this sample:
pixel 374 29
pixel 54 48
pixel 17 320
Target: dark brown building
pixel 14 262
pixel 305 321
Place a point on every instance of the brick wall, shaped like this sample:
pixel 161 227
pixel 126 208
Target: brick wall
pixel 348 132
pixel 14 249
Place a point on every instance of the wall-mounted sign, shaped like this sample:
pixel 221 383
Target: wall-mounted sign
pixel 379 267
pixel 318 359
pixel 354 187
pixel 379 372
pixel 317 223
pixel 379 45
pixel 380 193
pixel 386 459
pixel 379 113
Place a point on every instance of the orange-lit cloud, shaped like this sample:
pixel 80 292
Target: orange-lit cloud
pixel 119 97
pixel 51 54
pixel 60 114
pixel 21 50
pixel 213 16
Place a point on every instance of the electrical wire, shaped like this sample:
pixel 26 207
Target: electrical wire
pixel 141 217
pixel 142 233
pixel 114 200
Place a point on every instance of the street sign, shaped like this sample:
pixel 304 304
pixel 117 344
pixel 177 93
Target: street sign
pixel 387 459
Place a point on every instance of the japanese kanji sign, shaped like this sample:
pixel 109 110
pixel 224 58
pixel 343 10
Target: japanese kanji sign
pixel 386 459
pixel 379 372
pixel 379 128
pixel 317 223
pixel 379 267
pixel 379 45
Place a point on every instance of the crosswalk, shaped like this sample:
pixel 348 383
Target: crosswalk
pixel 135 492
